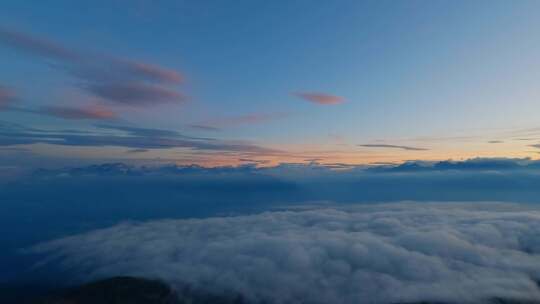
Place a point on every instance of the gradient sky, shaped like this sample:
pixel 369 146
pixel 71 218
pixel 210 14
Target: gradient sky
pixel 226 83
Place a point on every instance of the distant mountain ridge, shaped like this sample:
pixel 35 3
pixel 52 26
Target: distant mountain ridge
pixel 122 169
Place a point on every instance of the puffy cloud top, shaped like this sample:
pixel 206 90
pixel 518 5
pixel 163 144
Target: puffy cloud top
pixel 408 252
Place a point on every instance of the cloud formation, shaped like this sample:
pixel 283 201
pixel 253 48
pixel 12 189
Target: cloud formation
pixel 151 72
pixel 139 131
pixel 396 253
pixel 37 46
pixel 113 79
pixel 127 137
pixel 7 95
pixel 95 112
pixel 135 93
pixel 409 148
pixel 320 98
pixel 248 119
pixel 203 127
pixel 137 151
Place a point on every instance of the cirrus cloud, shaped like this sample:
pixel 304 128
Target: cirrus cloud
pixel 320 98
pixel 110 78
pixel 409 148
pixel 135 94
pixel 89 112
pixel 217 124
pixel 125 136
pixel 36 45
pixel 7 95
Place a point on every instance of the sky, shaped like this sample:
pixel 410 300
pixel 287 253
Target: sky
pixel 219 83
pixel 361 146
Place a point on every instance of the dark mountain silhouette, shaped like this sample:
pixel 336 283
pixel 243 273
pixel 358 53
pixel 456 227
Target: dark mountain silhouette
pixel 130 290
pixel 116 290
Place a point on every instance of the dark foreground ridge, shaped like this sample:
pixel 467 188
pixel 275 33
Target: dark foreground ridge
pixel 130 290
pixel 113 290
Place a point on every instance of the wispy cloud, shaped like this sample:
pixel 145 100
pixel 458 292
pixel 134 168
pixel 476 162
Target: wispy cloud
pixel 84 112
pixel 125 136
pixel 495 142
pixel 253 161
pixel 248 119
pixel 409 148
pixel 320 98
pixel 7 95
pixel 134 93
pixel 203 127
pixel 113 79
pixel 150 132
pixel 86 63
pixel 151 72
pixel 95 112
pixel 137 150
pixel 37 46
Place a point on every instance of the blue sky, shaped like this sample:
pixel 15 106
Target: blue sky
pixel 123 114
pixel 338 81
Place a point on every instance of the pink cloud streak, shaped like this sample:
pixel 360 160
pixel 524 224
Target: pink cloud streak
pixel 114 79
pixel 90 112
pixel 320 98
pixel 6 97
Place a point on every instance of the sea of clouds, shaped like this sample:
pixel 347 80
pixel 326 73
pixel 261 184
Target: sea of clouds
pixel 385 253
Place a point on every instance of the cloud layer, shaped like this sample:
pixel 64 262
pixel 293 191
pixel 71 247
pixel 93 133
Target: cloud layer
pixel 407 252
